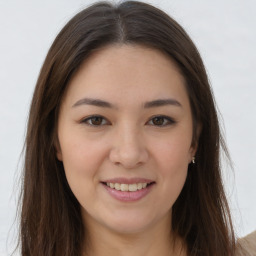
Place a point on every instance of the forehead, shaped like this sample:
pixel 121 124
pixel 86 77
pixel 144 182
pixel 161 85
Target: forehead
pixel 122 73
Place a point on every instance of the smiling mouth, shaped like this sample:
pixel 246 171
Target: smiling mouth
pixel 128 187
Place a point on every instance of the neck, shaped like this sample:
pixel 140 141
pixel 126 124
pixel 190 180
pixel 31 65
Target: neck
pixel 157 240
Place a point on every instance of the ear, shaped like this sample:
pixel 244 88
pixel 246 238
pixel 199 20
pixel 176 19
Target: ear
pixel 192 152
pixel 59 155
pixel 194 144
pixel 58 149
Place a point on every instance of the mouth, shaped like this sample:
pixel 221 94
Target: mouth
pixel 125 187
pixel 128 190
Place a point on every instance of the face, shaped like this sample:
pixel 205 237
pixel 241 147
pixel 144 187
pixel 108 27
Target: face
pixel 125 135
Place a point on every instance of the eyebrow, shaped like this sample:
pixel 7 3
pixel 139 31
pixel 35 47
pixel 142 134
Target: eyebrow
pixel 105 104
pixel 162 102
pixel 93 102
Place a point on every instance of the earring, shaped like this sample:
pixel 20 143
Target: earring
pixel 193 160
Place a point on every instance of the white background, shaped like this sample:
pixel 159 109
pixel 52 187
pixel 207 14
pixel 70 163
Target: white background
pixel 223 30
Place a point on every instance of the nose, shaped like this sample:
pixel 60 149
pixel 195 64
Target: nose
pixel 128 149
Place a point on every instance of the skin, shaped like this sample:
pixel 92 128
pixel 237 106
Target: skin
pixel 127 142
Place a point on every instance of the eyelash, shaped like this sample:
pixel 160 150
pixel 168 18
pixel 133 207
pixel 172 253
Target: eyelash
pixel 166 121
pixel 88 121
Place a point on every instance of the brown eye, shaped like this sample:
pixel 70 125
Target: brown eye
pixel 158 120
pixel 95 121
pixel 161 121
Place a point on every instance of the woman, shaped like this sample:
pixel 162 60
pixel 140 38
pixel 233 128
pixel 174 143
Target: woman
pixel 247 245
pixel 123 142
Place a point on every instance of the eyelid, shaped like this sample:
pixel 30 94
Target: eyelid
pixel 170 120
pixel 88 118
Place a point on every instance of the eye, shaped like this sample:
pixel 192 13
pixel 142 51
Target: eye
pixel 95 121
pixel 161 121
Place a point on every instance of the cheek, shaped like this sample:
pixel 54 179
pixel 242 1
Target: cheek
pixel 172 161
pixel 81 159
pixel 174 153
pixel 173 165
pixel 79 151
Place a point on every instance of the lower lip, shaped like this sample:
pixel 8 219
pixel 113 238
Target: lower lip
pixel 127 196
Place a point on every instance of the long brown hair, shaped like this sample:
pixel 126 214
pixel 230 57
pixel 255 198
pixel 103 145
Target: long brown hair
pixel 51 222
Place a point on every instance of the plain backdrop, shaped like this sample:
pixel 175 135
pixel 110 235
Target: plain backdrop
pixel 223 30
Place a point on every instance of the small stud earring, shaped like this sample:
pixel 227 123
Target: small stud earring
pixel 193 160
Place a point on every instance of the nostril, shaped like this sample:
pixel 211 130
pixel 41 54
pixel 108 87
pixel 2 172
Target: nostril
pixel 128 155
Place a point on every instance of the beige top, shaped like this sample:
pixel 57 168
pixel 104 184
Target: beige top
pixel 247 246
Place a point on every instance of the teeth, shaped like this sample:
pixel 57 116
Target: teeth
pixel 124 187
pixel 117 186
pixel 133 187
pixel 127 187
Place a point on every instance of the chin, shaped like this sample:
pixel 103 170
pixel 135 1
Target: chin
pixel 130 224
pixel 128 228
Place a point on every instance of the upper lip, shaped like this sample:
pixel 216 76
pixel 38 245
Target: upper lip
pixel 128 180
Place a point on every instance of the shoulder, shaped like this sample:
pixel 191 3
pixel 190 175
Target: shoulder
pixel 246 246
